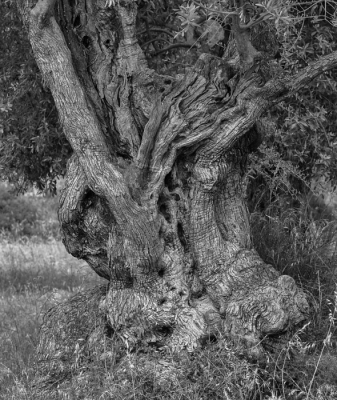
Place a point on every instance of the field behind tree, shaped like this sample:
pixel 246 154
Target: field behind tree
pixel 36 273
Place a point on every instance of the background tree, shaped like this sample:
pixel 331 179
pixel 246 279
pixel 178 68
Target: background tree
pixel 154 200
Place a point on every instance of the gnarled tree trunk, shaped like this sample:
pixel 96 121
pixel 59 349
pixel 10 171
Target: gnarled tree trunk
pixel 153 199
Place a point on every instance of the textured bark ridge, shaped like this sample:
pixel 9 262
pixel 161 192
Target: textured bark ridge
pixel 153 199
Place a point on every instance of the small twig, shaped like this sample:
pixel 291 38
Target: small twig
pixel 173 46
pixel 226 13
pixel 254 22
pixel 161 30
pixel 149 34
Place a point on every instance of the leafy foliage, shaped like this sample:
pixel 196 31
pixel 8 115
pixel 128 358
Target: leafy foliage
pixel 301 130
pixel 306 123
pixel 32 147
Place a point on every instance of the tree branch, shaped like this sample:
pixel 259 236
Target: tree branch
pixel 129 51
pixel 83 130
pixel 313 70
pixel 173 46
pixel 247 52
pixel 253 22
pixel 155 40
pixel 43 10
pixel 217 12
pixel 281 87
pixel 154 29
pixel 255 100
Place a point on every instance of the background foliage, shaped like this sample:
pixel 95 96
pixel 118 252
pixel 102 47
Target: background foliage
pixel 29 217
pixel 303 129
pixel 33 149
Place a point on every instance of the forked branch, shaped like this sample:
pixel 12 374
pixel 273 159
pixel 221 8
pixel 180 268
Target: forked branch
pixel 83 130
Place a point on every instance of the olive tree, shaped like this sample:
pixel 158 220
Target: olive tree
pixel 154 200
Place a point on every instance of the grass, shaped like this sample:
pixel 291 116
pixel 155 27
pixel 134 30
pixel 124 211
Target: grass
pixel 33 277
pixel 36 273
pixel 28 216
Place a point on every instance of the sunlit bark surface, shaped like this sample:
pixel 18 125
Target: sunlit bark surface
pixel 153 199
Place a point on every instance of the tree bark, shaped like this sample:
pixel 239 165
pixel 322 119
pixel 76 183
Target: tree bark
pixel 154 200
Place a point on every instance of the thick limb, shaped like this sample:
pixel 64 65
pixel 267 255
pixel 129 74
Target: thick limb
pixel 84 133
pixel 253 300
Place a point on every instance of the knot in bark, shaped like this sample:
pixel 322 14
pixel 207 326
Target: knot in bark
pixel 270 309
